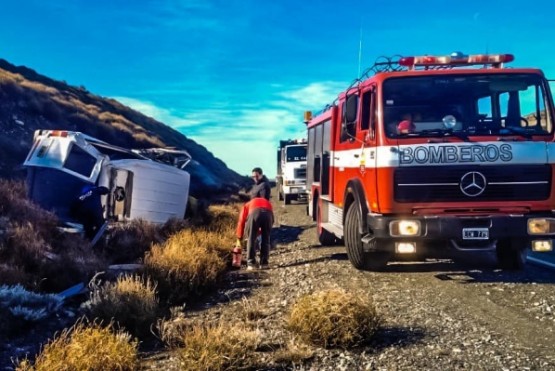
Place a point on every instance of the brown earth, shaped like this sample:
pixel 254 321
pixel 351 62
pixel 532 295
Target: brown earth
pixel 439 314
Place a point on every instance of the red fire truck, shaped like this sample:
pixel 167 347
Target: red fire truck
pixel 426 155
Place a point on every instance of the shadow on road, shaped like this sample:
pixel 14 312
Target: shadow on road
pixel 477 271
pixel 287 234
pixel 387 337
pixel 337 256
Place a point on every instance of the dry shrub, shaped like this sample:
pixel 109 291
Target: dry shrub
pixel 87 347
pixel 31 243
pixel 173 226
pixel 171 330
pixel 219 346
pixel 18 209
pixel 223 218
pixel 128 242
pixel 334 318
pixel 25 246
pixel 253 310
pixel 186 264
pixel 75 262
pixel 130 302
pixel 12 274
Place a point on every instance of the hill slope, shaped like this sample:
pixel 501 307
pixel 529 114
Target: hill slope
pixel 30 101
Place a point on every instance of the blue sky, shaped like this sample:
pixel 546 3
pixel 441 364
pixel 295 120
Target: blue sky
pixel 237 75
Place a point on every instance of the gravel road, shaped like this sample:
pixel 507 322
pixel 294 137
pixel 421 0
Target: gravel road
pixel 439 314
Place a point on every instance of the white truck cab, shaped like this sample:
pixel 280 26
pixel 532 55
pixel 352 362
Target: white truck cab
pixel 291 171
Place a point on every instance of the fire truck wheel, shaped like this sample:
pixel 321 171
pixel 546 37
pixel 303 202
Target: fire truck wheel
pixel 510 254
pixel 353 242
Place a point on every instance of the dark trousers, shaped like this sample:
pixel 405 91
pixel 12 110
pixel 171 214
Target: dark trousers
pixel 258 219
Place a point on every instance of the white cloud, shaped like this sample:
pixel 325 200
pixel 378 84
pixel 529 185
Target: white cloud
pixel 315 95
pixel 245 137
pixel 160 114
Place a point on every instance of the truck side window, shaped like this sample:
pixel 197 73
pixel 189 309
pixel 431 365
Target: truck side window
pixel 367 119
pixel 80 161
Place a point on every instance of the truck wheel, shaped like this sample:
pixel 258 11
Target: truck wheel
pixel 510 254
pixel 286 199
pixel 353 242
pixel 325 237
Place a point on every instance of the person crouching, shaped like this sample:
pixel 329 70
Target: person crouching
pixel 256 217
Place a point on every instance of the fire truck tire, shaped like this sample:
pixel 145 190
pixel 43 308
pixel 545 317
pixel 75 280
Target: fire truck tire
pixel 510 255
pixel 374 261
pixel 325 237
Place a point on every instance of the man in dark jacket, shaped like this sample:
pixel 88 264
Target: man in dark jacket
pixel 261 184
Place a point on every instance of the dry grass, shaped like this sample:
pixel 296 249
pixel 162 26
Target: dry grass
pixel 334 318
pixel 253 310
pixel 223 218
pixel 128 242
pixel 31 245
pixel 18 209
pixel 294 352
pixel 130 302
pixel 185 265
pixel 87 348
pixel 217 347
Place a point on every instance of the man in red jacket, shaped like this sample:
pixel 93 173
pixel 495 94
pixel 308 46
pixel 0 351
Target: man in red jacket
pixel 257 215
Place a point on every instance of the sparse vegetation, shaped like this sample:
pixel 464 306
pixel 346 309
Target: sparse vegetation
pixel 128 242
pixel 21 309
pixel 334 318
pixel 222 218
pixel 217 347
pixel 186 264
pixel 86 347
pixel 130 302
pixel 32 247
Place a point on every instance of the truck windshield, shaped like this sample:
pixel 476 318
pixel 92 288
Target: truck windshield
pixel 463 105
pixel 296 153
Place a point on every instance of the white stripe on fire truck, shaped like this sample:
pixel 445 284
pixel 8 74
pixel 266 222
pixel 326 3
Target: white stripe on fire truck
pixel 442 154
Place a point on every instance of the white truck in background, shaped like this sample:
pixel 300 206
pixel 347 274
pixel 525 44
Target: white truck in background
pixel 60 163
pixel 291 170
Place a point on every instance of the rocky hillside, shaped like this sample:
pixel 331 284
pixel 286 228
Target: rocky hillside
pixel 30 101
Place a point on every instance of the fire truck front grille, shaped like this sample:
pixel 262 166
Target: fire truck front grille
pixel 300 173
pixel 473 183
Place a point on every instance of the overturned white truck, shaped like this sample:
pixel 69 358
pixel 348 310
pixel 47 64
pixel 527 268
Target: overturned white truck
pixel 61 163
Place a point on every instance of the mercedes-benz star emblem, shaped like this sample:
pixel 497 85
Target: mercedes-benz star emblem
pixel 473 184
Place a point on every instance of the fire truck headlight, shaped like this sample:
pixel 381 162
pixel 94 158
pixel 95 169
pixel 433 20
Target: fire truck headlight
pixel 541 226
pixel 399 228
pixel 289 182
pixel 542 246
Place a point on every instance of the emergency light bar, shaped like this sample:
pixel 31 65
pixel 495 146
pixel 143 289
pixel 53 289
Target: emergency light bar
pixel 58 133
pixel 456 59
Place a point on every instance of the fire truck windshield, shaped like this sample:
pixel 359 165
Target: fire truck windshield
pixel 296 153
pixel 461 105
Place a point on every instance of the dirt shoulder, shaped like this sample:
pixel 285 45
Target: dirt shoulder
pixel 438 314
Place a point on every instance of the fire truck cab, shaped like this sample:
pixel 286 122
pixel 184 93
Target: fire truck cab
pixel 430 154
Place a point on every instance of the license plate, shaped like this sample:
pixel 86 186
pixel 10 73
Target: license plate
pixel 475 234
